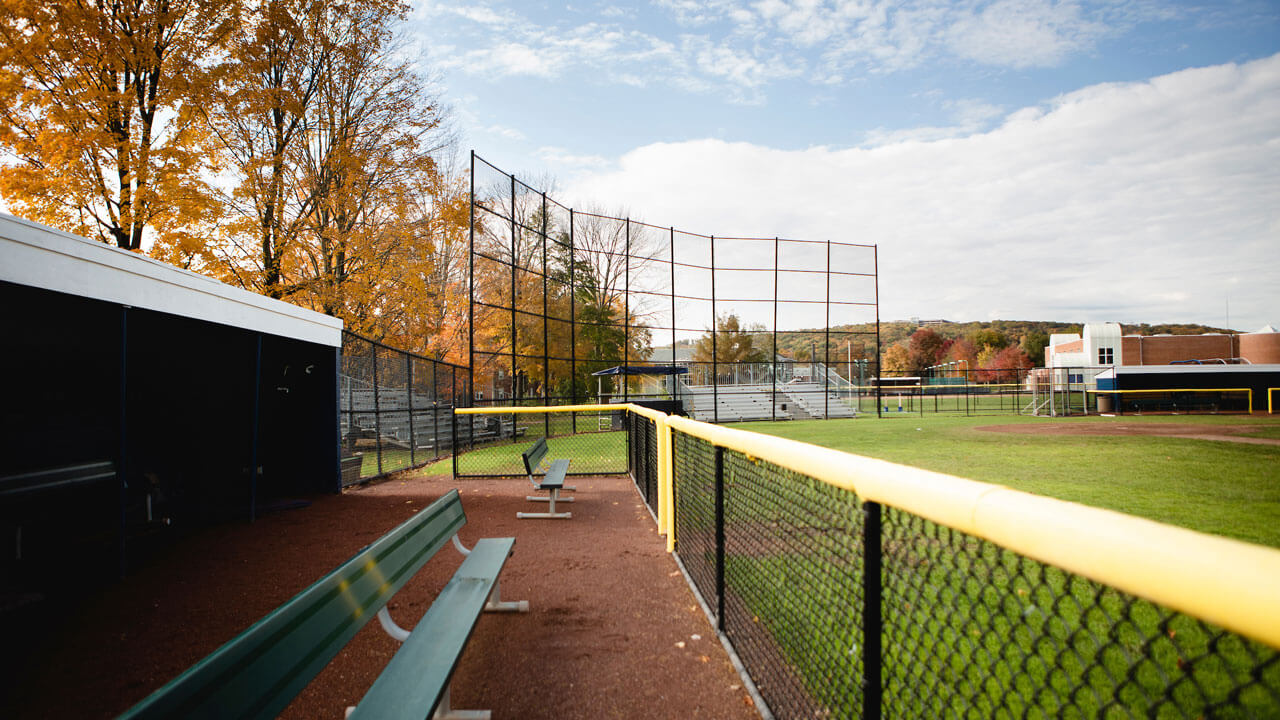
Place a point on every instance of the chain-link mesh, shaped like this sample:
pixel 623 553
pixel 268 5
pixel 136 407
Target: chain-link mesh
pixel 694 465
pixel 792 595
pixel 967 629
pixel 490 444
pixel 972 630
pixel 395 408
pixel 642 448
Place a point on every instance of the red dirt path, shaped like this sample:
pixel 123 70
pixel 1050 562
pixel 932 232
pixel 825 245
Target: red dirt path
pixel 610 633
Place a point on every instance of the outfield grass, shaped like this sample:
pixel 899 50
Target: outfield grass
pixel 1229 489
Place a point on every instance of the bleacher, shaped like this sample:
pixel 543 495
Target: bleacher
pixel 734 403
pixel 810 399
pixel 396 416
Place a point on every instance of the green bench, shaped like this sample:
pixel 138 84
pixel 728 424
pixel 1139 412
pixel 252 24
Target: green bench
pixel 552 480
pixel 257 673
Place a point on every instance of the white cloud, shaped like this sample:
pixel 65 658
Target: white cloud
pixel 1136 201
pixel 744 46
pixel 1023 33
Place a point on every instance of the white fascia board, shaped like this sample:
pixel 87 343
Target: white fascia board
pixel 39 256
pixel 1206 369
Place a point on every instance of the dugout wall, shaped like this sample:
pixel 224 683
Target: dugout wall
pixel 558 294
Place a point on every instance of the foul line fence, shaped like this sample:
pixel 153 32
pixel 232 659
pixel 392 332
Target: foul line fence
pixel 854 587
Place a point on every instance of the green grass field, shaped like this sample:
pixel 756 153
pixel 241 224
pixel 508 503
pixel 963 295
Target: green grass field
pixel 1224 488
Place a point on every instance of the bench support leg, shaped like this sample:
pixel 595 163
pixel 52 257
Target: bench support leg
pixel 445 711
pixel 495 603
pixel 551 510
pixel 544 498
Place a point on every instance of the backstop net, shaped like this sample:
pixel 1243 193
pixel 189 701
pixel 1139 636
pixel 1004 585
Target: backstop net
pixel 856 588
pixel 761 328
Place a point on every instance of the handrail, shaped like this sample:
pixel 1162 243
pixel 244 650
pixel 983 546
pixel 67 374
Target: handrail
pixel 1230 583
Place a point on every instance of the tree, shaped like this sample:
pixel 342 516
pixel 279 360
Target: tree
pixel 924 350
pixel 732 343
pixel 897 360
pixel 1005 366
pixel 962 351
pixel 1033 344
pixel 989 338
pixel 97 109
pixel 269 81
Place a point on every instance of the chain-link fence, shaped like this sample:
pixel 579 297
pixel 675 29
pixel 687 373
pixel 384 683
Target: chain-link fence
pixel 843 607
pixel 491 444
pixel 395 408
pixel 642 445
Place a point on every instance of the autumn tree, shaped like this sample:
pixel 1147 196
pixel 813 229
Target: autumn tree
pixel 964 353
pixel 732 343
pixel 896 360
pixel 924 349
pixel 1005 366
pixel 97 107
pixel 268 84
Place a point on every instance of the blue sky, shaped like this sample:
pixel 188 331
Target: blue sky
pixel 1017 159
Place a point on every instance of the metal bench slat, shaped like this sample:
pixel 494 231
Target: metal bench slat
pixel 53 478
pixel 534 455
pixel 412 684
pixel 555 474
pixel 257 673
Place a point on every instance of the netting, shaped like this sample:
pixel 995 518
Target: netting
pixel 559 294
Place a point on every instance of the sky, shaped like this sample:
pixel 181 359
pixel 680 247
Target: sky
pixel 1010 159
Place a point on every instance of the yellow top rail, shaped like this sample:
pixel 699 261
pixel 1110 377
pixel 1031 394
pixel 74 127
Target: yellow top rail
pixel 1233 584
pixel 1160 390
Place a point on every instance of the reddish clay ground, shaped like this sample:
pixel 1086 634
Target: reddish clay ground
pixel 1223 433
pixel 611 632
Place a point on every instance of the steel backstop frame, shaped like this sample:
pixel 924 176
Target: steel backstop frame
pixel 557 294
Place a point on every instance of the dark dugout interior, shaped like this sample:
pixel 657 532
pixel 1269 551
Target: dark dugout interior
pixel 183 408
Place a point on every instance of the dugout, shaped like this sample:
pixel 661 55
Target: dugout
pixel 183 383
pixel 1258 378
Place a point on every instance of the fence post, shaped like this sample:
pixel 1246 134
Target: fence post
pixel 453 416
pixel 377 406
pixel 720 539
pixel 413 433
pixel 872 620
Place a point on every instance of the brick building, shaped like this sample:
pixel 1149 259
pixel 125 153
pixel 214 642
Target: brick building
pixel 1209 360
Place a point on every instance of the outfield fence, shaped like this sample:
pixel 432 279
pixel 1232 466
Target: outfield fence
pixel 853 587
pixel 1174 400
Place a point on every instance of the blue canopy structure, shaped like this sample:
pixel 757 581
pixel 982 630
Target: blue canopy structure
pixel 644 370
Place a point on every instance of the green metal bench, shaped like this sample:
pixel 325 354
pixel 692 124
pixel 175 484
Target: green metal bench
pixel 261 670
pixel 552 480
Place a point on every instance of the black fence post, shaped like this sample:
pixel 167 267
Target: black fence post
pixel 413 433
pixel 456 447
pixel 872 620
pixel 720 539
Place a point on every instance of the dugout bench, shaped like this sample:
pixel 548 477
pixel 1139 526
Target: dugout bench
pixel 259 672
pixel 552 481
